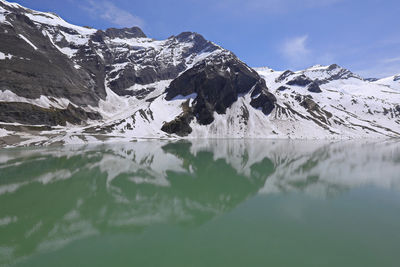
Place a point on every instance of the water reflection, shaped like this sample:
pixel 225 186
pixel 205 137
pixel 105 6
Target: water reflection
pixel 50 197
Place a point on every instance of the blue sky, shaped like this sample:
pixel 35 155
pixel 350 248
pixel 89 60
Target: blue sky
pixel 362 35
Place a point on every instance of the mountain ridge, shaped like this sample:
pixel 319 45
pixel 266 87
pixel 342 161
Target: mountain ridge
pixel 86 85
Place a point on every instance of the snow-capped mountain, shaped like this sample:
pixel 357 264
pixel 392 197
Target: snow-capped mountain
pixel 62 83
pixel 392 82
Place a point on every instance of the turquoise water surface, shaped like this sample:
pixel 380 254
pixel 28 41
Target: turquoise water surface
pixel 202 203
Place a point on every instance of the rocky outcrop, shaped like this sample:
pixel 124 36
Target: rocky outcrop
pixel 284 76
pixel 180 125
pixel 282 88
pixel 300 80
pixel 314 88
pixel 265 102
pixel 217 85
pixel 36 67
pixel 134 32
pixel 29 114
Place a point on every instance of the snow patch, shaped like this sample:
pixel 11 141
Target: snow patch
pixel 4 132
pixel 181 97
pixel 67 51
pixel 5 56
pixel 54 20
pixel 42 101
pixel 392 82
pixel 29 42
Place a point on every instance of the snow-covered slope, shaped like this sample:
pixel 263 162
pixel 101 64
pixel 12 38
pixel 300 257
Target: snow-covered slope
pixel 333 102
pixel 392 82
pixel 62 83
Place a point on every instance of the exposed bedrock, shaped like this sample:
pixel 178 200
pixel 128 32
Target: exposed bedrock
pixel 217 85
pixel 26 113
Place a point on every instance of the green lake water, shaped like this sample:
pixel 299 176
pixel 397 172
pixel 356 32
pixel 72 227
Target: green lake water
pixel 202 203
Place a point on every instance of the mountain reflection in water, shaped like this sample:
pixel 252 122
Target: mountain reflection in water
pixel 50 197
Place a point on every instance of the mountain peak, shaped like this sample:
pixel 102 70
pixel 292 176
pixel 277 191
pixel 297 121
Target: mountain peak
pixel 190 36
pixel 317 67
pixel 324 74
pixel 9 4
pixel 125 33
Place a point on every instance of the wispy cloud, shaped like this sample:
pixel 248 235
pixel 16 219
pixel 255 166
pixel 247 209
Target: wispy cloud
pixel 391 60
pixel 274 6
pixel 298 54
pixel 108 11
pixel 295 50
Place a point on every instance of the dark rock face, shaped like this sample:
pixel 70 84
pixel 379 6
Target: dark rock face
pixel 26 113
pixel 315 110
pixel 217 85
pixel 200 44
pixel 314 88
pixel 265 101
pixel 134 32
pixel 309 104
pixel 396 78
pixel 301 80
pixel 180 125
pixel 45 71
pixel 155 65
pixel 284 75
pixel 282 88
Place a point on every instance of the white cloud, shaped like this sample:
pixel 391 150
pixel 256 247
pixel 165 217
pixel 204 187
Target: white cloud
pixel 296 47
pixel 108 11
pixel 295 51
pixel 391 60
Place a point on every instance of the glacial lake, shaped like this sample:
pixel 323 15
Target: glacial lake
pixel 202 203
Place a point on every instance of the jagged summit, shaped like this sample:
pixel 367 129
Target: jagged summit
pixel 318 74
pixel 134 32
